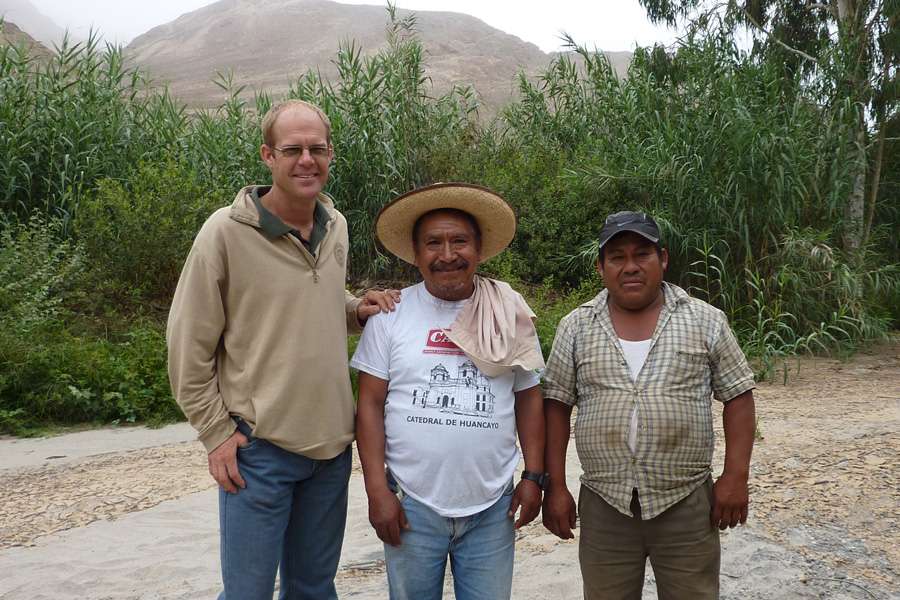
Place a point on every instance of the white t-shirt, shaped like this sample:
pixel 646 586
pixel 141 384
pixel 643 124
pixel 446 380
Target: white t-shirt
pixel 450 431
pixel 635 355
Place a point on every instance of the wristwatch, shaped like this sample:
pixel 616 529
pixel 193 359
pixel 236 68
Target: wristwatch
pixel 542 479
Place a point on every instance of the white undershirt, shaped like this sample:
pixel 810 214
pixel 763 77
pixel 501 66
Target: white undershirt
pixel 635 355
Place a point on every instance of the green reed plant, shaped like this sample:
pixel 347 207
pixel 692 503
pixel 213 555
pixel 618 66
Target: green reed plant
pixel 385 126
pixel 73 118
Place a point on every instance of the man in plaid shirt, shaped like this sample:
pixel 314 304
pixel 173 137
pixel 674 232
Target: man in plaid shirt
pixel 641 361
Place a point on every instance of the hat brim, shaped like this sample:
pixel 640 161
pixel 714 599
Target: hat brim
pixel 496 219
pixel 632 229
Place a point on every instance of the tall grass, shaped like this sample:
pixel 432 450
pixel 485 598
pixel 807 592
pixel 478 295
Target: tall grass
pixel 68 121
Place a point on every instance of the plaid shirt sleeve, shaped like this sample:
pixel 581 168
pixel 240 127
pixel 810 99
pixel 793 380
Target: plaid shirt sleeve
pixel 731 374
pixel 559 376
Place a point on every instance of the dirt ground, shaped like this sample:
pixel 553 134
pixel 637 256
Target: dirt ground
pixel 825 481
pixel 825 476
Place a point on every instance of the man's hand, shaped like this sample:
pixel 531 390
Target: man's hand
pixel 730 500
pixel 526 496
pixel 376 301
pixel 387 517
pixel 559 512
pixel 223 463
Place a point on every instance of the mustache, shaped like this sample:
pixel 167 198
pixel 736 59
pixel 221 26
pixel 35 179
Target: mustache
pixel 457 264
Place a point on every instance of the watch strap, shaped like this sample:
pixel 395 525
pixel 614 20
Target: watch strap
pixel 542 479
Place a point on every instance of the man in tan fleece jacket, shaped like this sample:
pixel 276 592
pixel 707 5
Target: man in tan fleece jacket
pixel 258 362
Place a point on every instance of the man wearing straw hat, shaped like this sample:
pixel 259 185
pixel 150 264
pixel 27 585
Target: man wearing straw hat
pixel 446 382
pixel 642 361
pixel 257 339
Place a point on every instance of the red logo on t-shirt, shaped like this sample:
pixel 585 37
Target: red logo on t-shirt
pixel 439 343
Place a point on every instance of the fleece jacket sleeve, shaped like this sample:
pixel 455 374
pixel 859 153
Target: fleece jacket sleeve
pixel 351 304
pixel 193 333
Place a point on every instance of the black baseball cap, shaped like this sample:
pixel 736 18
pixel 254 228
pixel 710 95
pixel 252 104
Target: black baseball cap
pixel 626 220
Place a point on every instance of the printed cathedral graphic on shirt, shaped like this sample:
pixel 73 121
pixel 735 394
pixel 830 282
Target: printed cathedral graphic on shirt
pixel 467 393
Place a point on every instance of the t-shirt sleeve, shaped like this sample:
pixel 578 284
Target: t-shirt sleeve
pixel 559 376
pixel 373 354
pixel 731 374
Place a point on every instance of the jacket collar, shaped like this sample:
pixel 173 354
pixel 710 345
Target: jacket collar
pixel 244 210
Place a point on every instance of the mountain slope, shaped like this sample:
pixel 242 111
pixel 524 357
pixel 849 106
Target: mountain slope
pixel 32 21
pixel 269 44
pixel 10 33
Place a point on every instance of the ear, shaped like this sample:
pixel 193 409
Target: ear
pixel 664 259
pixel 267 156
pixel 599 267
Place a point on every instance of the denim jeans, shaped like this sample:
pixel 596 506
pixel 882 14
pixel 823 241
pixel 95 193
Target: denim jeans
pixel 292 513
pixel 481 549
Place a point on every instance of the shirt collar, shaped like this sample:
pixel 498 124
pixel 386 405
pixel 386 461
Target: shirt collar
pixel 672 297
pixel 273 227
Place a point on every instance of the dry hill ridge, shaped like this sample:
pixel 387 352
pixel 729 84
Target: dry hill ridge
pixel 30 20
pixel 269 44
pixel 11 34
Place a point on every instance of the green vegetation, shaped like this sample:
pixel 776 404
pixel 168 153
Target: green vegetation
pixel 748 165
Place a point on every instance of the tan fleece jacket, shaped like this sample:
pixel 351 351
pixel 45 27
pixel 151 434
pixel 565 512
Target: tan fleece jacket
pixel 258 329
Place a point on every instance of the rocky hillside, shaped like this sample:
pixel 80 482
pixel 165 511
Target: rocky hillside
pixel 11 34
pixel 29 19
pixel 268 44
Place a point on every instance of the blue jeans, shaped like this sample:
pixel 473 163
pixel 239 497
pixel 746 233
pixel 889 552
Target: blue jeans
pixel 481 549
pixel 291 513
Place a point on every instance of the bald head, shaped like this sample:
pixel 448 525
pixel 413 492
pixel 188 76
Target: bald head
pixel 271 118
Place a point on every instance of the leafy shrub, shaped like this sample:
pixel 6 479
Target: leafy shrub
pixel 38 271
pixel 137 234
pixel 48 374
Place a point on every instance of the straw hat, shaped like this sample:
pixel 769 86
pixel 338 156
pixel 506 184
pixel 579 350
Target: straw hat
pixel 497 221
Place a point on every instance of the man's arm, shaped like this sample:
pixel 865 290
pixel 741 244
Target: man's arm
pixel 193 332
pixel 560 391
pixel 385 513
pixel 559 509
pixel 530 427
pixel 370 303
pixel 731 496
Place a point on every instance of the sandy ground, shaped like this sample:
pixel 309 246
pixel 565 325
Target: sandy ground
pixel 131 513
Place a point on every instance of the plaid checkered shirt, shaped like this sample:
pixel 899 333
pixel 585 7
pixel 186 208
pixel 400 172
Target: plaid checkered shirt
pixel 693 356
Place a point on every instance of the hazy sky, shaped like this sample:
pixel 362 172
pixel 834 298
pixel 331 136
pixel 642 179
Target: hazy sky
pixel 607 24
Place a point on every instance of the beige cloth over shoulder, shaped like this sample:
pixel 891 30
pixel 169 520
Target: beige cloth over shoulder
pixel 496 330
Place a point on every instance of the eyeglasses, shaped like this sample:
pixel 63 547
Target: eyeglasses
pixel 318 151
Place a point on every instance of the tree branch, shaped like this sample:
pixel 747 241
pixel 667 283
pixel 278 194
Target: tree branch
pixel 771 36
